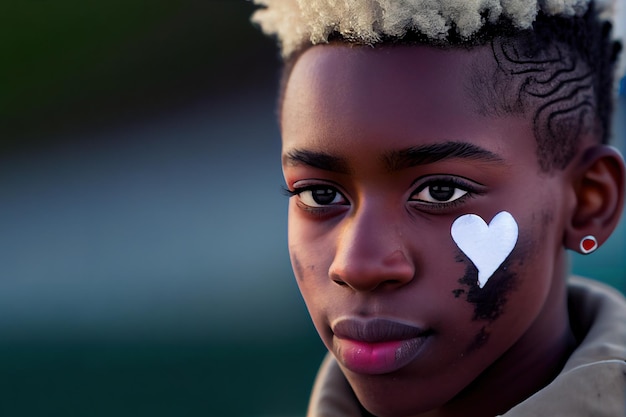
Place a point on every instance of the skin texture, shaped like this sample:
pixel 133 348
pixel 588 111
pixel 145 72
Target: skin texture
pixel 367 242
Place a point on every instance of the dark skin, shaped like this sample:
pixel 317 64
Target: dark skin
pixel 371 137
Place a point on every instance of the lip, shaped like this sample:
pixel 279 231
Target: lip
pixel 376 346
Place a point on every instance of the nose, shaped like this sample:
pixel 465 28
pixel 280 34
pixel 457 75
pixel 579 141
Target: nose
pixel 371 254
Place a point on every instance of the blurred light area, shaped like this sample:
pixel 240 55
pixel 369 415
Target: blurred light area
pixel 140 175
pixel 143 261
pixel 143 256
pixel 175 227
pixel 74 66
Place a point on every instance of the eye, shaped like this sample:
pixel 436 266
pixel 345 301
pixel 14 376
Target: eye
pixel 438 192
pixel 319 196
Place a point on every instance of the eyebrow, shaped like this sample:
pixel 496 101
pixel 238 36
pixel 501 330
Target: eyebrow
pixel 395 160
pixel 398 160
pixel 321 160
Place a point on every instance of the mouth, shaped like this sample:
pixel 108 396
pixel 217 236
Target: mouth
pixel 376 346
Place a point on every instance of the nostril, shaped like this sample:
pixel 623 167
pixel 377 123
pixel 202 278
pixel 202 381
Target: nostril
pixel 340 282
pixel 364 272
pixel 369 285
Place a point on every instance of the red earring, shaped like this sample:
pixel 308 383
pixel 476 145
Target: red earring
pixel 588 244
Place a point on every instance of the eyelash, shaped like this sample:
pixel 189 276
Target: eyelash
pixel 318 211
pixel 292 193
pixel 299 190
pixel 454 182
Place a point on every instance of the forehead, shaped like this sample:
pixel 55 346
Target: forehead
pixel 389 94
pixel 390 71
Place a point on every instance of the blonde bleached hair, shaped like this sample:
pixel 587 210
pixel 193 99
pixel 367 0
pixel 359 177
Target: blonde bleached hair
pixel 297 23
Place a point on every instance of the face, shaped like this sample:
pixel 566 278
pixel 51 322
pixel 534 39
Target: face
pixel 383 149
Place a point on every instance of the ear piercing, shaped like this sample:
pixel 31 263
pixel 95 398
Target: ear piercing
pixel 588 244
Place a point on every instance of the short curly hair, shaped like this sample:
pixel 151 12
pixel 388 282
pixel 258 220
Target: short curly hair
pixel 555 61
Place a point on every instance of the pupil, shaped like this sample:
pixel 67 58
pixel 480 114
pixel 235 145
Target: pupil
pixel 441 192
pixel 324 196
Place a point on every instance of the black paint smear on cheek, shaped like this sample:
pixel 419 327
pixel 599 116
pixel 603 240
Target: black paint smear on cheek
pixel 480 339
pixel 490 300
pixel 297 267
pixel 459 291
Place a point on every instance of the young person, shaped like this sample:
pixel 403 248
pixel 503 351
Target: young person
pixel 442 157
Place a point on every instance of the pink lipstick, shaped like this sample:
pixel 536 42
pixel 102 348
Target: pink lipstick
pixel 376 346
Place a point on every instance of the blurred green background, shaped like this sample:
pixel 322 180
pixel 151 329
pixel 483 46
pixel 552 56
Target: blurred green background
pixel 143 261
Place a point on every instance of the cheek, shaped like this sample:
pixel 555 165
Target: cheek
pixel 298 269
pixel 488 302
pixel 310 261
pixel 524 264
pixel 512 297
pixel 313 282
pixel 308 257
pixel 310 247
pixel 297 245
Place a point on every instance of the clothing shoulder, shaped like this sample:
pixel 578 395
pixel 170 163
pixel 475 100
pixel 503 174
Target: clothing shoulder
pixel 332 395
pixel 593 381
pixel 598 319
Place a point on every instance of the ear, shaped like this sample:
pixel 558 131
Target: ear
pixel 599 190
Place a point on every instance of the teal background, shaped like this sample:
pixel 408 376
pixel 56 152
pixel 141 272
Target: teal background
pixel 143 261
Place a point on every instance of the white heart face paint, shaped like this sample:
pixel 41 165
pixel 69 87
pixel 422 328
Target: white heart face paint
pixel 486 245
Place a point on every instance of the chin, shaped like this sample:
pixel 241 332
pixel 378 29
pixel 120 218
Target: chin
pixel 386 395
pixel 395 410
